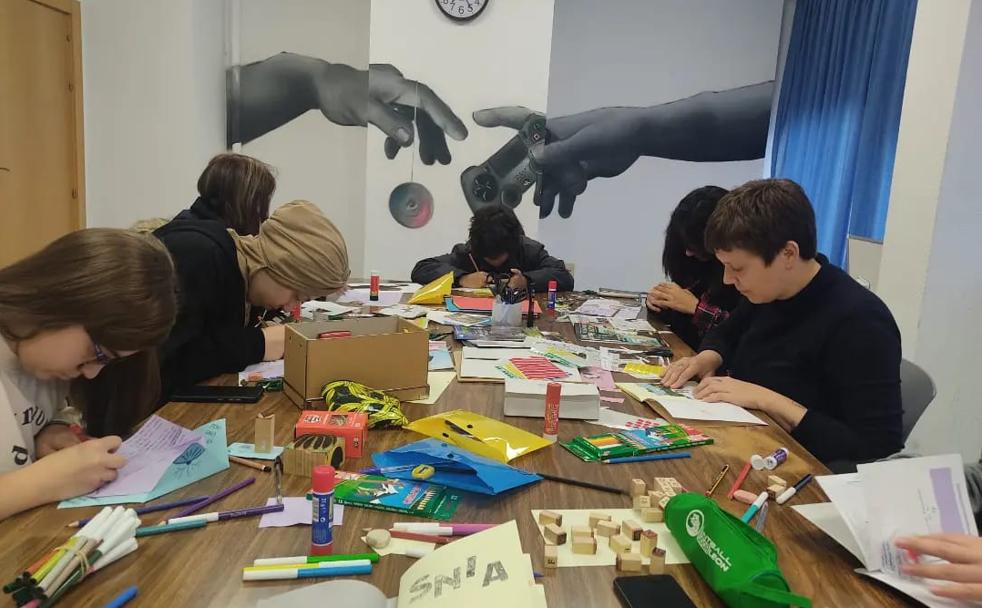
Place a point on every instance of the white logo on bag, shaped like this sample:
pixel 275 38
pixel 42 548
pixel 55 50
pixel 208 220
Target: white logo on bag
pixel 693 523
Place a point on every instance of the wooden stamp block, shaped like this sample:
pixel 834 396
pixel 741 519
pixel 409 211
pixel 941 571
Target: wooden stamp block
pixel 642 502
pixel 555 534
pixel 582 531
pixel 631 529
pixel 584 545
pixel 655 496
pixel 638 487
pixel 597 516
pixel 664 501
pixel 774 490
pixel 629 562
pixel 550 517
pixel 657 565
pixel 649 542
pixel 620 543
pixel 550 556
pixel 607 528
pixel 774 480
pixel 652 515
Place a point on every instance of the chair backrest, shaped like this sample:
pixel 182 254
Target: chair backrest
pixel 917 391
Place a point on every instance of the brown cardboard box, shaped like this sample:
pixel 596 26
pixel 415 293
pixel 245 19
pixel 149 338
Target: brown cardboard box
pixel 385 353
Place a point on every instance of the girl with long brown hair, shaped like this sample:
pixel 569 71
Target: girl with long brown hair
pixel 236 190
pixel 80 321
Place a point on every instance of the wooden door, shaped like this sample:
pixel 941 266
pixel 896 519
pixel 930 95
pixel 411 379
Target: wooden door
pixel 41 159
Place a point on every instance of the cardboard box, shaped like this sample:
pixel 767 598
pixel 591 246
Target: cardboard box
pixel 350 427
pixel 385 353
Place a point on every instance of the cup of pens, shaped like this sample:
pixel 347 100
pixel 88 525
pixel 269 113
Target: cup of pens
pixel 506 314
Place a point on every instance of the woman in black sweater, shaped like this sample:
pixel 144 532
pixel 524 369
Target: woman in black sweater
pixel 696 300
pixel 236 190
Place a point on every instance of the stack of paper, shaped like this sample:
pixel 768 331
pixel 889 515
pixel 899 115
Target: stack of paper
pixel 532 368
pixel 264 370
pixel 886 500
pixel 681 404
pixel 527 398
pixel 457 318
pixel 600 307
pixel 406 311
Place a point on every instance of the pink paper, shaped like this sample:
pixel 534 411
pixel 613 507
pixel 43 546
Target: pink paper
pixel 602 378
pixel 297 512
pixel 149 453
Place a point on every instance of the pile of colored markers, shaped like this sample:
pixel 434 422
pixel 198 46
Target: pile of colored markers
pixel 106 538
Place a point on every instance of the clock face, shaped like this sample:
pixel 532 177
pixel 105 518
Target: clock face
pixel 462 10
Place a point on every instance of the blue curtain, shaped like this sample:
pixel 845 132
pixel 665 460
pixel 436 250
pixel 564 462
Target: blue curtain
pixel 838 113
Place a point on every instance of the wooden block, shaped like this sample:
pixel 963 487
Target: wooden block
pixel 631 529
pixel 655 496
pixel 555 534
pixel 265 427
pixel 669 485
pixel 638 487
pixel 745 497
pixel 620 543
pixel 550 556
pixel 642 502
pixel 584 545
pixel 664 501
pixel 597 516
pixel 582 531
pixel 649 542
pixel 652 515
pixel 607 528
pixel 774 480
pixel 774 490
pixel 657 565
pixel 550 517
pixel 629 562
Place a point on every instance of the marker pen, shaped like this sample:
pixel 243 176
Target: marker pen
pixel 752 510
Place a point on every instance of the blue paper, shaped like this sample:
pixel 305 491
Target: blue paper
pixel 248 450
pixel 487 477
pixel 198 461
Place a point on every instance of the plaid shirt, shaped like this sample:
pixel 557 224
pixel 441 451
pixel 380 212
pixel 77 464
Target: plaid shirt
pixel 708 315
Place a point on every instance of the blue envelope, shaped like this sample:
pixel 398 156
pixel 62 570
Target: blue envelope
pixel 454 467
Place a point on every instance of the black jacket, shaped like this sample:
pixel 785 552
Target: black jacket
pixel 211 336
pixel 531 258
pixel 834 348
pixel 201 209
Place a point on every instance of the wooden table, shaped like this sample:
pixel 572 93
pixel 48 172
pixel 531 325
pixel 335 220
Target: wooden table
pixel 203 567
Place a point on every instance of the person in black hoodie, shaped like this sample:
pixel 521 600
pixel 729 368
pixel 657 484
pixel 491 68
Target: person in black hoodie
pixel 497 245
pixel 298 255
pixel 810 347
pixel 236 190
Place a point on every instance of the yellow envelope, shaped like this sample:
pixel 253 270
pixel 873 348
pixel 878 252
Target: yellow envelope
pixel 482 435
pixel 434 291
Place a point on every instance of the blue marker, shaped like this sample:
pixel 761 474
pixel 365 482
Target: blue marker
pixel 752 510
pixel 122 598
pixel 648 457
pixel 322 502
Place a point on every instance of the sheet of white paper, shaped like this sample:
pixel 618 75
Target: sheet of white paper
pixel 604 555
pixel 406 311
pixel 438 381
pixel 693 409
pixel 628 313
pixel 846 493
pixel 485 369
pixel 248 450
pixel 149 453
pixel 296 512
pixel 343 592
pixel 331 308
pixel 917 589
pixel 913 496
pixel 630 324
pixel 362 296
pixel 619 420
pixel 266 369
pixel 600 307
pixel 826 517
pixel 495 354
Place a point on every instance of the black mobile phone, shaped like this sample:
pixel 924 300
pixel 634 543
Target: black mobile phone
pixel 218 394
pixel 657 589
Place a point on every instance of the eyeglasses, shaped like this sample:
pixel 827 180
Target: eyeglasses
pixel 101 357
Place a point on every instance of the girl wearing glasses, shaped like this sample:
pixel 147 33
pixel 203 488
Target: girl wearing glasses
pixel 79 322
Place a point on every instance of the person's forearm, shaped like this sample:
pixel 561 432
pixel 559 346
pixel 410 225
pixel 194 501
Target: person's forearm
pixel 710 126
pixel 274 91
pixel 786 412
pixel 21 491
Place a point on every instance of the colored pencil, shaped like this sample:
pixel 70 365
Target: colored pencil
pixel 648 457
pixel 718 479
pixel 122 598
pixel 164 528
pixel 739 480
pixel 215 498
pixel 294 573
pixel 224 515
pixel 313 559
pixel 265 468
pixel 583 484
pixel 151 509
pixel 426 538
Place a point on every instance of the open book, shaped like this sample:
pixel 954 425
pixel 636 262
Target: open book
pixel 484 570
pixel 886 500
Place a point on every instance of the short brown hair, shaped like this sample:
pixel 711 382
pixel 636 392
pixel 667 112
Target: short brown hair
pixel 240 189
pixel 761 216
pixel 121 287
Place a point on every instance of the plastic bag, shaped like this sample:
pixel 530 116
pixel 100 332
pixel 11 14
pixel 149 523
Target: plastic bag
pixel 434 291
pixel 479 434
pixel 383 410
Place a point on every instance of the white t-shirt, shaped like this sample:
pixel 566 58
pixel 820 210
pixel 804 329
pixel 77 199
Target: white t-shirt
pixel 26 406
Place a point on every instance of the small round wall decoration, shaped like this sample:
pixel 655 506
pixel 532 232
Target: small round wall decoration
pixel 461 11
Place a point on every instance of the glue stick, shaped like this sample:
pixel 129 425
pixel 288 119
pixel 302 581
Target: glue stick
pixel 769 462
pixel 322 502
pixel 550 430
pixel 374 286
pixel 551 302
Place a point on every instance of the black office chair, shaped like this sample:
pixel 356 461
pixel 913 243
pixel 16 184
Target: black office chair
pixel 917 391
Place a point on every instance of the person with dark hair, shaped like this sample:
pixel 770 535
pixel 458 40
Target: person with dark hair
pixel 236 190
pixel 810 347
pixel 695 300
pixel 497 245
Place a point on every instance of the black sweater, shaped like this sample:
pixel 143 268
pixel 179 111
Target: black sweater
pixel 210 336
pixel 531 258
pixel 833 348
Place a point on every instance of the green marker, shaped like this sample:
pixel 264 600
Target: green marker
pixel 165 528
pixel 312 559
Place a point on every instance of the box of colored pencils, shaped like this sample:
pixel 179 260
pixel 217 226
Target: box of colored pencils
pixel 635 442
pixel 418 498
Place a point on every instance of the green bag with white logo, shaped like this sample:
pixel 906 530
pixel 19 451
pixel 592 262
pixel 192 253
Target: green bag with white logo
pixel 735 560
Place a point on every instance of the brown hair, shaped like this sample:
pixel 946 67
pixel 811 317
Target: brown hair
pixel 121 287
pixel 239 188
pixel 761 216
